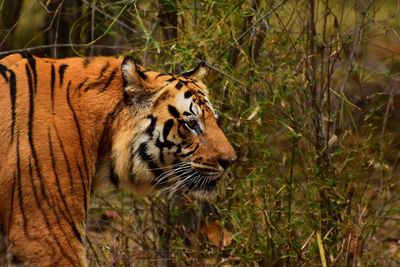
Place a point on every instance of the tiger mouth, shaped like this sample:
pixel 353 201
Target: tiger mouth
pixel 201 180
pixel 201 184
pixel 190 179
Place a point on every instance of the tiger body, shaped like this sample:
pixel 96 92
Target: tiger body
pixel 69 124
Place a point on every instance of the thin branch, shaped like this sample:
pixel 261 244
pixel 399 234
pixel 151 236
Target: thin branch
pixel 248 30
pixel 15 24
pixel 122 24
pixel 114 47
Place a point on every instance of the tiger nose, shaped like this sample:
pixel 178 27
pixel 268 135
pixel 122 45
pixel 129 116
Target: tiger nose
pixel 226 163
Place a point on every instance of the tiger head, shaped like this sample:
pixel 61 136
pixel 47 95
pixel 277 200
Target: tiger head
pixel 176 143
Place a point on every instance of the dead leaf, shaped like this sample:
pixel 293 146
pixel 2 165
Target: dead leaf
pixel 217 234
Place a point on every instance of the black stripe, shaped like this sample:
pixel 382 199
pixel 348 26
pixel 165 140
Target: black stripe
pixel 92 85
pixel 69 218
pixel 64 234
pixel 103 69
pixel 80 85
pixel 78 129
pixel 143 152
pixel 29 75
pixel 20 194
pixel 190 152
pixel 67 240
pixel 31 116
pixel 188 94
pixel 109 80
pixel 114 177
pixel 161 156
pixel 152 126
pixel 200 92
pixel 52 82
pixel 200 102
pixel 162 74
pixel 166 143
pixel 161 146
pixel 32 64
pixel 39 202
pixel 54 168
pixel 65 159
pixel 36 196
pixel 141 74
pixel 45 217
pixel 3 72
pixel 167 128
pixel 61 71
pixel 178 150
pixel 149 160
pixel 13 97
pixel 191 108
pixel 179 85
pixel 173 111
pixel 194 70
pixel 84 190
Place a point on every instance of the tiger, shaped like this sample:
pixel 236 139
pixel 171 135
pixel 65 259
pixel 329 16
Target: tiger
pixel 67 125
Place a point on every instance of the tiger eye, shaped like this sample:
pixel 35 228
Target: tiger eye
pixel 192 124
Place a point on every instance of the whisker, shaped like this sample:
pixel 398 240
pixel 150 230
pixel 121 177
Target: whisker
pixel 198 179
pixel 182 182
pixel 206 182
pixel 165 176
pixel 173 187
pixel 162 177
pixel 170 166
pixel 202 182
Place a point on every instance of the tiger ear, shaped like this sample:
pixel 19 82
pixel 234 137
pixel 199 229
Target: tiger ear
pixel 197 73
pixel 132 72
pixel 135 81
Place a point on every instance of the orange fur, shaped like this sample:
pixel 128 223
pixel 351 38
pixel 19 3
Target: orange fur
pixel 72 123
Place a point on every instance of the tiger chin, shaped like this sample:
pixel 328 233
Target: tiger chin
pixel 68 125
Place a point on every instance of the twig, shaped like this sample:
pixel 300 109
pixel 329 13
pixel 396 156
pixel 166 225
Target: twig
pixel 109 26
pixel 243 34
pixel 321 249
pixel 92 17
pixel 63 45
pixel 213 67
pixel 15 24
pixel 58 11
pixel 110 17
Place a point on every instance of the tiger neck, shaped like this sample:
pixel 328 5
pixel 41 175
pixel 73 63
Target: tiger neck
pixel 98 108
